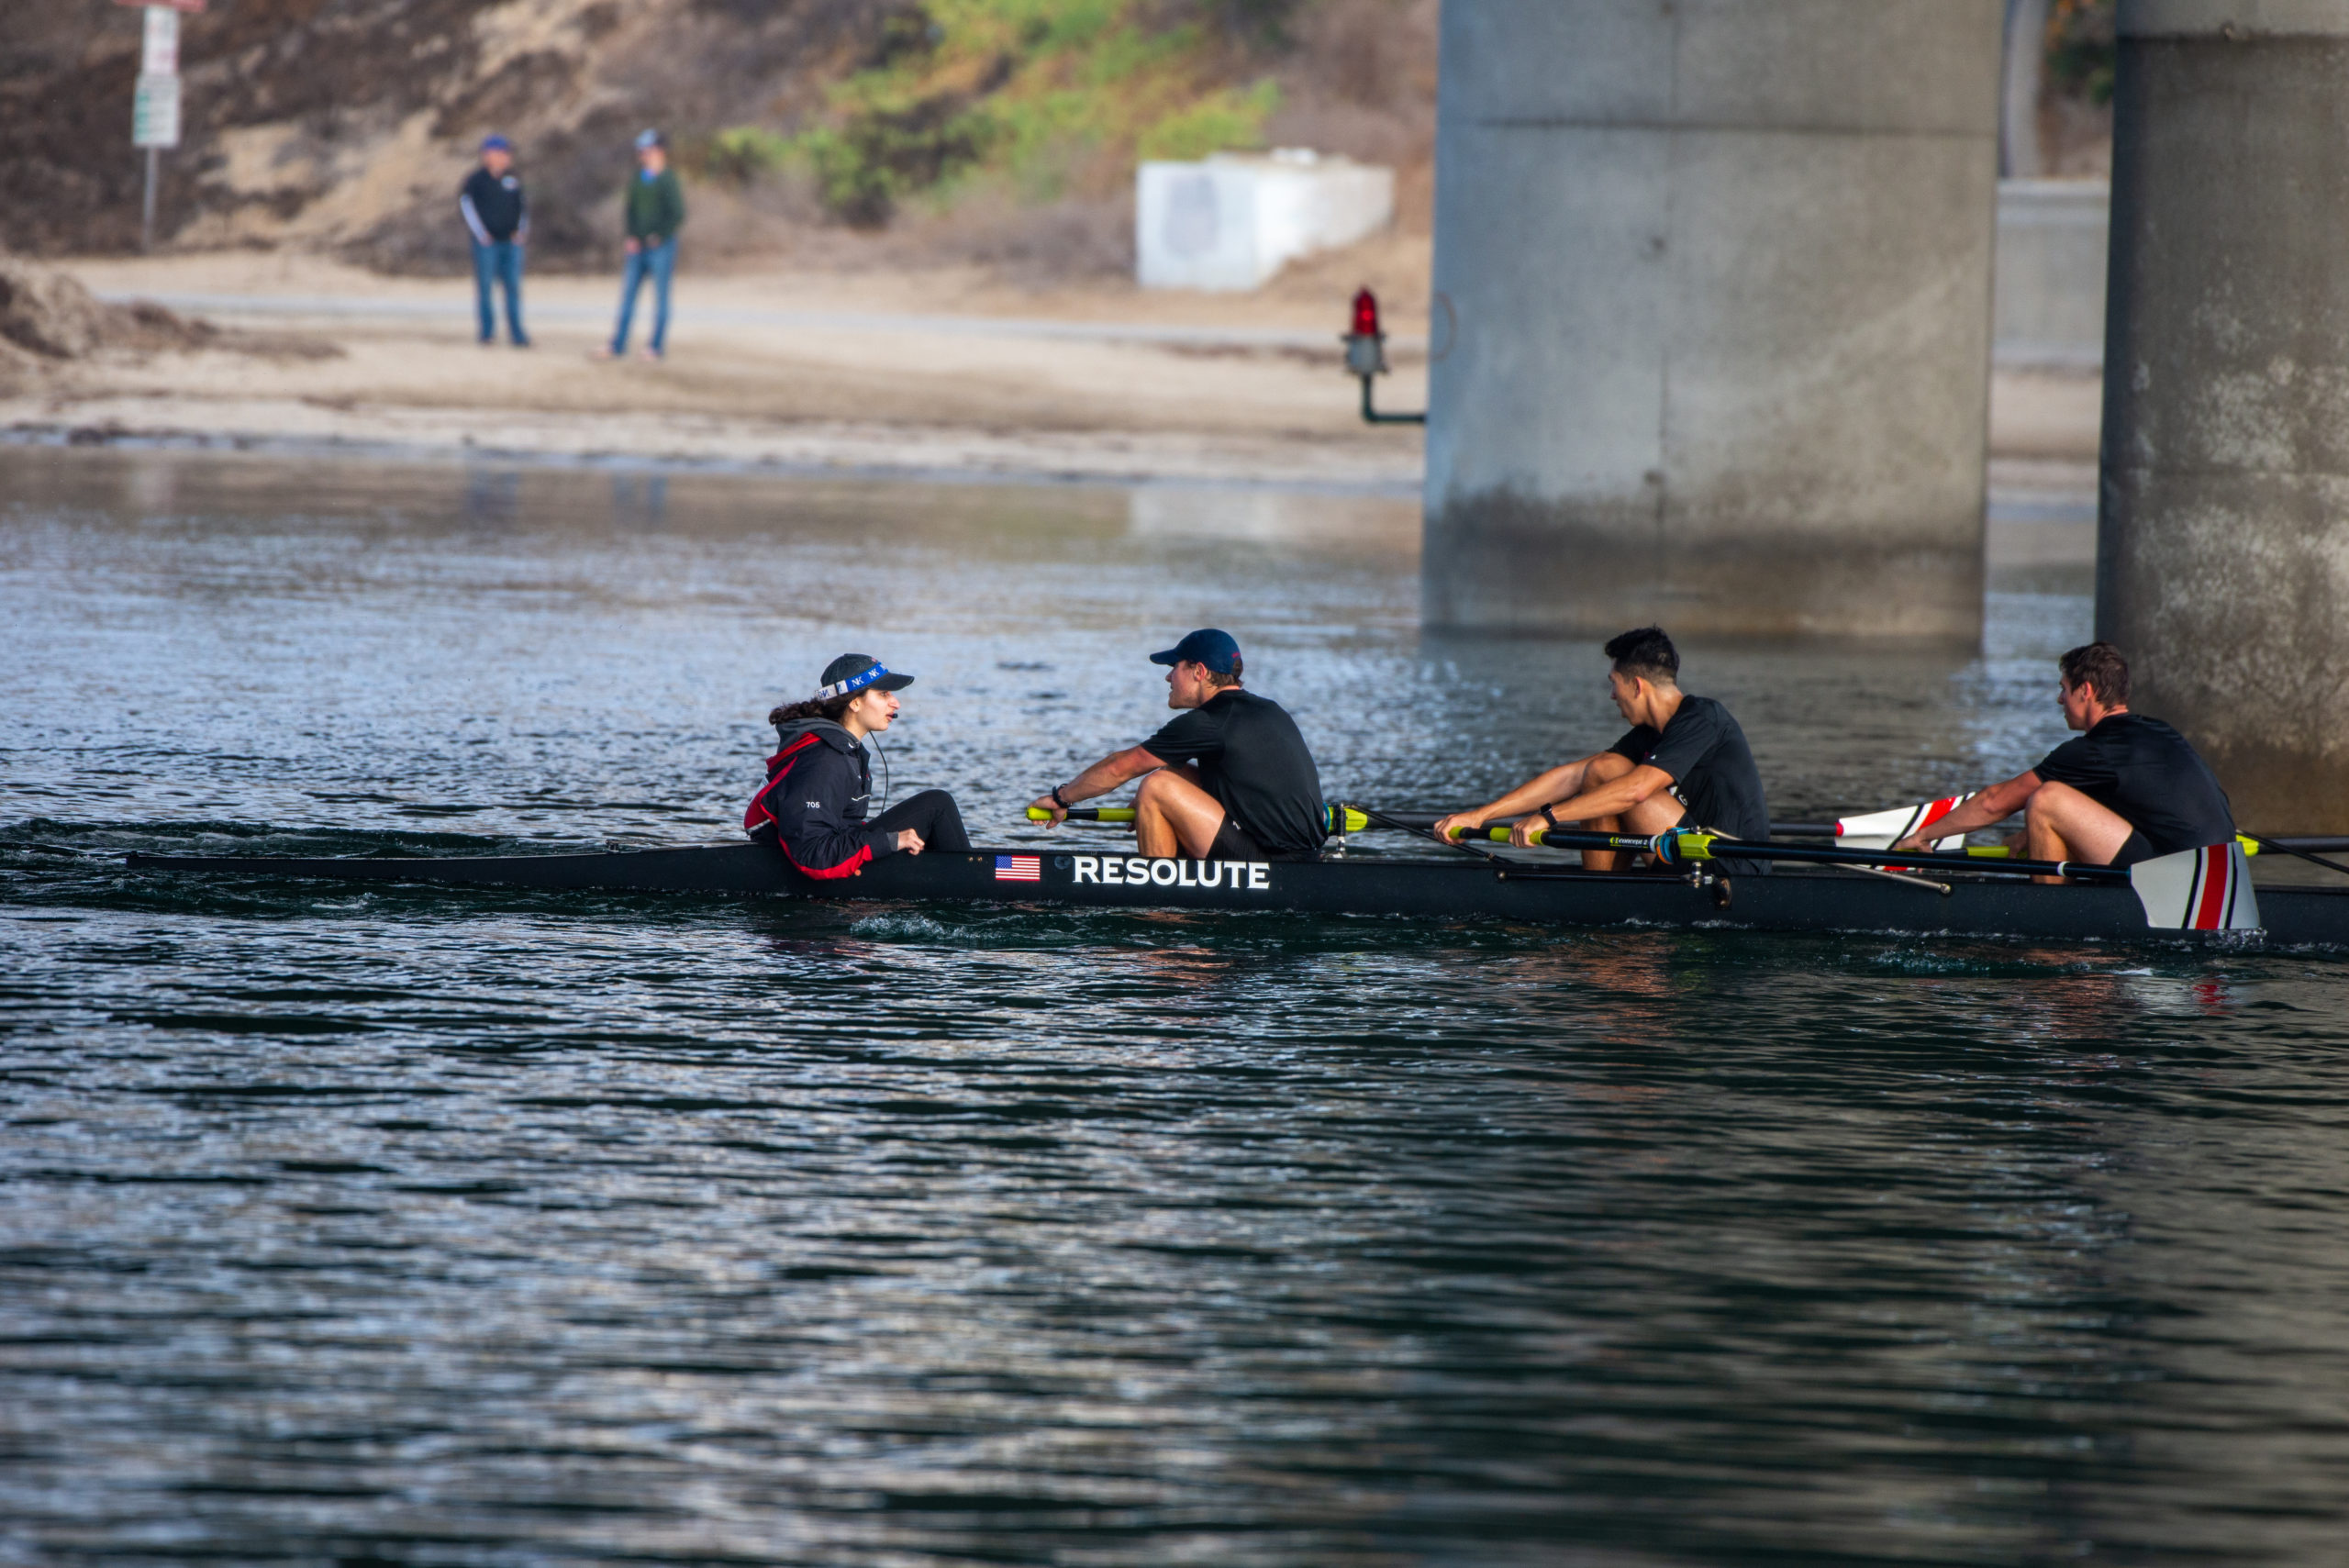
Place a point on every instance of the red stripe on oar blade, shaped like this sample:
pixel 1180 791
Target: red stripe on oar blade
pixel 2218 881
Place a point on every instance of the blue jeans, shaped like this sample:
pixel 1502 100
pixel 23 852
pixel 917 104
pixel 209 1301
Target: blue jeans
pixel 499 261
pixel 659 262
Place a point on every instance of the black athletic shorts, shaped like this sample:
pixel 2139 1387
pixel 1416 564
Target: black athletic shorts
pixel 2137 847
pixel 1233 844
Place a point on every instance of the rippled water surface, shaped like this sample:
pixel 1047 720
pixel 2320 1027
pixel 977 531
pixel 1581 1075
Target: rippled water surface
pixel 373 1226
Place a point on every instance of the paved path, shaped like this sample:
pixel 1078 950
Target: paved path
pixel 460 309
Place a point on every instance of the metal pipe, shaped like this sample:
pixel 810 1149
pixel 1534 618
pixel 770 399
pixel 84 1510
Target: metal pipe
pixel 1371 416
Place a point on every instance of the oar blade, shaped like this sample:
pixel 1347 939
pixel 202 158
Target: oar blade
pixel 2207 889
pixel 1882 829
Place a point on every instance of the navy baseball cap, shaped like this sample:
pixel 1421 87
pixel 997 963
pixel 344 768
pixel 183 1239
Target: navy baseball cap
pixel 852 673
pixel 1216 650
pixel 496 144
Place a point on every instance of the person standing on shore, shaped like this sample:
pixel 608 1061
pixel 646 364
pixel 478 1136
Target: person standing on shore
pixel 499 220
pixel 655 209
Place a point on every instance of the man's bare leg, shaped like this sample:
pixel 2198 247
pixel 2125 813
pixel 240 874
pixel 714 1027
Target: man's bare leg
pixel 1174 816
pixel 1603 769
pixel 2062 824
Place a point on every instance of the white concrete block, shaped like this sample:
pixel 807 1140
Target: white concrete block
pixel 1230 223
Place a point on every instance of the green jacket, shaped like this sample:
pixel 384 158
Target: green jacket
pixel 655 207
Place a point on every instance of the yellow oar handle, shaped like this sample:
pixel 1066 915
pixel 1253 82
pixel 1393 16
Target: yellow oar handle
pixel 1686 846
pixel 2000 852
pixel 1356 821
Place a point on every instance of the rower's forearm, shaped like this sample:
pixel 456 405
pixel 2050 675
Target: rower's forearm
pixel 1963 820
pixel 1109 773
pixel 1556 784
pixel 1990 806
pixel 1607 800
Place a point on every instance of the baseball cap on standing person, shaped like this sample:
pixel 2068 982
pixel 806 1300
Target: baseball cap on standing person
pixel 1218 650
pixel 648 140
pixel 494 143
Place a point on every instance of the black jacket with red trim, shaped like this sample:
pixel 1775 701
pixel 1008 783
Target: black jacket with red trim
pixel 813 804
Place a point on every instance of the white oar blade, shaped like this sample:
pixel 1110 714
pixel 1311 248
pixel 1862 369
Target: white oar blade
pixel 1882 829
pixel 2207 889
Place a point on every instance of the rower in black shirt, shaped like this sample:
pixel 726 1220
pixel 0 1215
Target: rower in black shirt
pixel 1230 779
pixel 2128 789
pixel 1684 763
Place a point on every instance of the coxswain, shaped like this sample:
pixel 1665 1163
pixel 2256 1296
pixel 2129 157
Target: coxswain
pixel 1230 779
pixel 1684 763
pixel 2128 789
pixel 820 782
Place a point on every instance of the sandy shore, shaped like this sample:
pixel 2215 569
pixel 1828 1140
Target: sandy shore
pixel 893 372
pixel 886 372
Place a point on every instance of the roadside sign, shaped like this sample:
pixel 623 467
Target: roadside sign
pixel 162 54
pixel 155 112
pixel 155 104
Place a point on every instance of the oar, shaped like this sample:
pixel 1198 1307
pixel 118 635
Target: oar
pixel 1356 818
pixel 1879 829
pixel 2253 843
pixel 1679 848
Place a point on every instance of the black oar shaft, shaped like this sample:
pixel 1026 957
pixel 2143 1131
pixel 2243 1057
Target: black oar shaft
pixel 1676 848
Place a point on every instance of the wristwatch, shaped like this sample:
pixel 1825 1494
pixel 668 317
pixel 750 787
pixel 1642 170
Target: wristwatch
pixel 1547 817
pixel 1064 805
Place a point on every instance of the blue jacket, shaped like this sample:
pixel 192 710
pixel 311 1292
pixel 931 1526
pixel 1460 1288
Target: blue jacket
pixel 813 804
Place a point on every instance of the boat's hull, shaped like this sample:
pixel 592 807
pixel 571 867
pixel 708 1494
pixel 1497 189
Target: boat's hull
pixel 1410 889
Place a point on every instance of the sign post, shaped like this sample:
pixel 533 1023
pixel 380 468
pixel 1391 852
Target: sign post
pixel 155 109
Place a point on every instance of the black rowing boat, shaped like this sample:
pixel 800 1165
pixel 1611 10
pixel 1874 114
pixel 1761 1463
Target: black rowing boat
pixel 1449 890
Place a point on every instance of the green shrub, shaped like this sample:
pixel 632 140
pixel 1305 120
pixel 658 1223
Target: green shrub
pixel 2081 48
pixel 744 153
pixel 1043 94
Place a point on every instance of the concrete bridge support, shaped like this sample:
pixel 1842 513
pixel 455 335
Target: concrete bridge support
pixel 1718 280
pixel 2223 549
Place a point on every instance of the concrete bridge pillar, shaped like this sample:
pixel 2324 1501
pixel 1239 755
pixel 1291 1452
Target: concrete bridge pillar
pixel 1718 276
pixel 2224 545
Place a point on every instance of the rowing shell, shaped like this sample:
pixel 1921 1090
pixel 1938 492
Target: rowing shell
pixel 1465 889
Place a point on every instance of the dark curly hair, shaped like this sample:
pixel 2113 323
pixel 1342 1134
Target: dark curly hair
pixel 800 712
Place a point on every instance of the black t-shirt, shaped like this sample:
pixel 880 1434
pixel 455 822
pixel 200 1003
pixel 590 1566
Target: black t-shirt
pixel 2144 773
pixel 1712 773
pixel 1252 760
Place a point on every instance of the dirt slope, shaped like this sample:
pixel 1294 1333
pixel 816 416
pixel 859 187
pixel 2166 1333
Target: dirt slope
pixel 345 125
pixel 348 123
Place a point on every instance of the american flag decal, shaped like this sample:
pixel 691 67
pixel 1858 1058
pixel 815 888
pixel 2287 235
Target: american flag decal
pixel 1019 868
